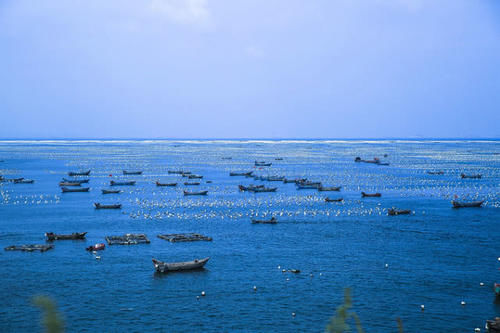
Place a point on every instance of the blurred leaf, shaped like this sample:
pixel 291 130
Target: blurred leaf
pixel 51 319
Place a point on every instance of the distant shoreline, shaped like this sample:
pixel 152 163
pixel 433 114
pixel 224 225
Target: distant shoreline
pixel 96 140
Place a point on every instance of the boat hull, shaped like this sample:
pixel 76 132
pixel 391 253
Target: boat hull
pixel 164 267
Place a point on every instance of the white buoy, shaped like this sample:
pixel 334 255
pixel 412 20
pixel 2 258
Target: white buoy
pixel 279 267
pixel 287 279
pixel 311 275
pixel 422 307
pixel 477 330
pixel 98 257
pixel 284 270
pixel 320 274
pixel 386 265
pixel 498 258
pixel 481 284
pixel 462 303
pixel 202 293
pixel 293 314
pixel 255 288
pixel 197 297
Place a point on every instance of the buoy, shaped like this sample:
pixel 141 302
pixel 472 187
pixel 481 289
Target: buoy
pixel 287 279
pixel 293 314
pixel 255 288
pixel 197 297
pixel 462 303
pixel 98 257
pixel 284 270
pixel 386 265
pixel 422 307
pixel 320 274
pixel 481 284
pixel 311 275
pixel 279 267
pixel 202 293
pixel 477 330
pixel 498 258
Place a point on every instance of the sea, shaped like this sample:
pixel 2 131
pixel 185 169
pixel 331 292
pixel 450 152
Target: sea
pixel 441 258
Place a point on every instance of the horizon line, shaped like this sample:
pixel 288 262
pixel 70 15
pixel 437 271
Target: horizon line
pixel 253 139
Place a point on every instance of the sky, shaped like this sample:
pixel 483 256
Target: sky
pixel 249 69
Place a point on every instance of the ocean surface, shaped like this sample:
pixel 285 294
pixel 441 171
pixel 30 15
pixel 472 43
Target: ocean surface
pixel 437 256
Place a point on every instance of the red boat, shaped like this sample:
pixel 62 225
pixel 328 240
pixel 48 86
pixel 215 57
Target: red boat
pixel 96 247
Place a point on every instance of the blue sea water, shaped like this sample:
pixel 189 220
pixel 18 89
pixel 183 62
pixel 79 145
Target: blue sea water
pixel 437 256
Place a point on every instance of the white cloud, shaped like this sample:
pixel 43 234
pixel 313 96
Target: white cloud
pixel 183 11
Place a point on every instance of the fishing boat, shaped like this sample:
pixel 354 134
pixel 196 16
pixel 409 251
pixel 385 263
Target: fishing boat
pixel 303 186
pixel 14 180
pixel 76 235
pixel 262 189
pixel 272 220
pixel 370 195
pixel 493 326
pixel 464 176
pixel 263 163
pixel 232 174
pixel 175 172
pixel 249 188
pixel 96 247
pixel 273 178
pixel 191 183
pixel 331 189
pixel 81 181
pixel 196 193
pixel 24 181
pixel 79 189
pixel 334 200
pixel 461 204
pixel 100 206
pixel 124 183
pixel 195 177
pixel 79 173
pixel 435 172
pixel 164 267
pixel 69 184
pixel 165 184
pixel 394 211
pixel 110 191
pixel 125 172
pixel 278 159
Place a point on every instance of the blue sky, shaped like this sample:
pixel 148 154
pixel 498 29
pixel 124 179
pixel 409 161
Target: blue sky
pixel 249 68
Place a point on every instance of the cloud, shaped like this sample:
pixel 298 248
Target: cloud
pixel 183 11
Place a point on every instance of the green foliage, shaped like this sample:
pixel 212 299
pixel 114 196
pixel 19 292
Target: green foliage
pixel 338 323
pixel 52 319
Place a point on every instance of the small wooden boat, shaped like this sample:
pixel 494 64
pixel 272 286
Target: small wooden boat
pixel 232 174
pixel 24 181
pixel 359 160
pixel 459 204
pixel 464 176
pixel 308 182
pixel 195 177
pixel 191 183
pixel 165 184
pixel 125 172
pixel 330 189
pixel 226 158
pixel 263 163
pixel 81 181
pixel 96 247
pixel 110 191
pixel 196 193
pixel 69 184
pixel 164 267
pixel 100 206
pixel 334 200
pixel 273 178
pixel 175 172
pixel 435 172
pixel 76 235
pixel 79 173
pixel 262 189
pixel 272 220
pixel 125 183
pixel 278 159
pixel 370 195
pixel 394 211
pixel 79 189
